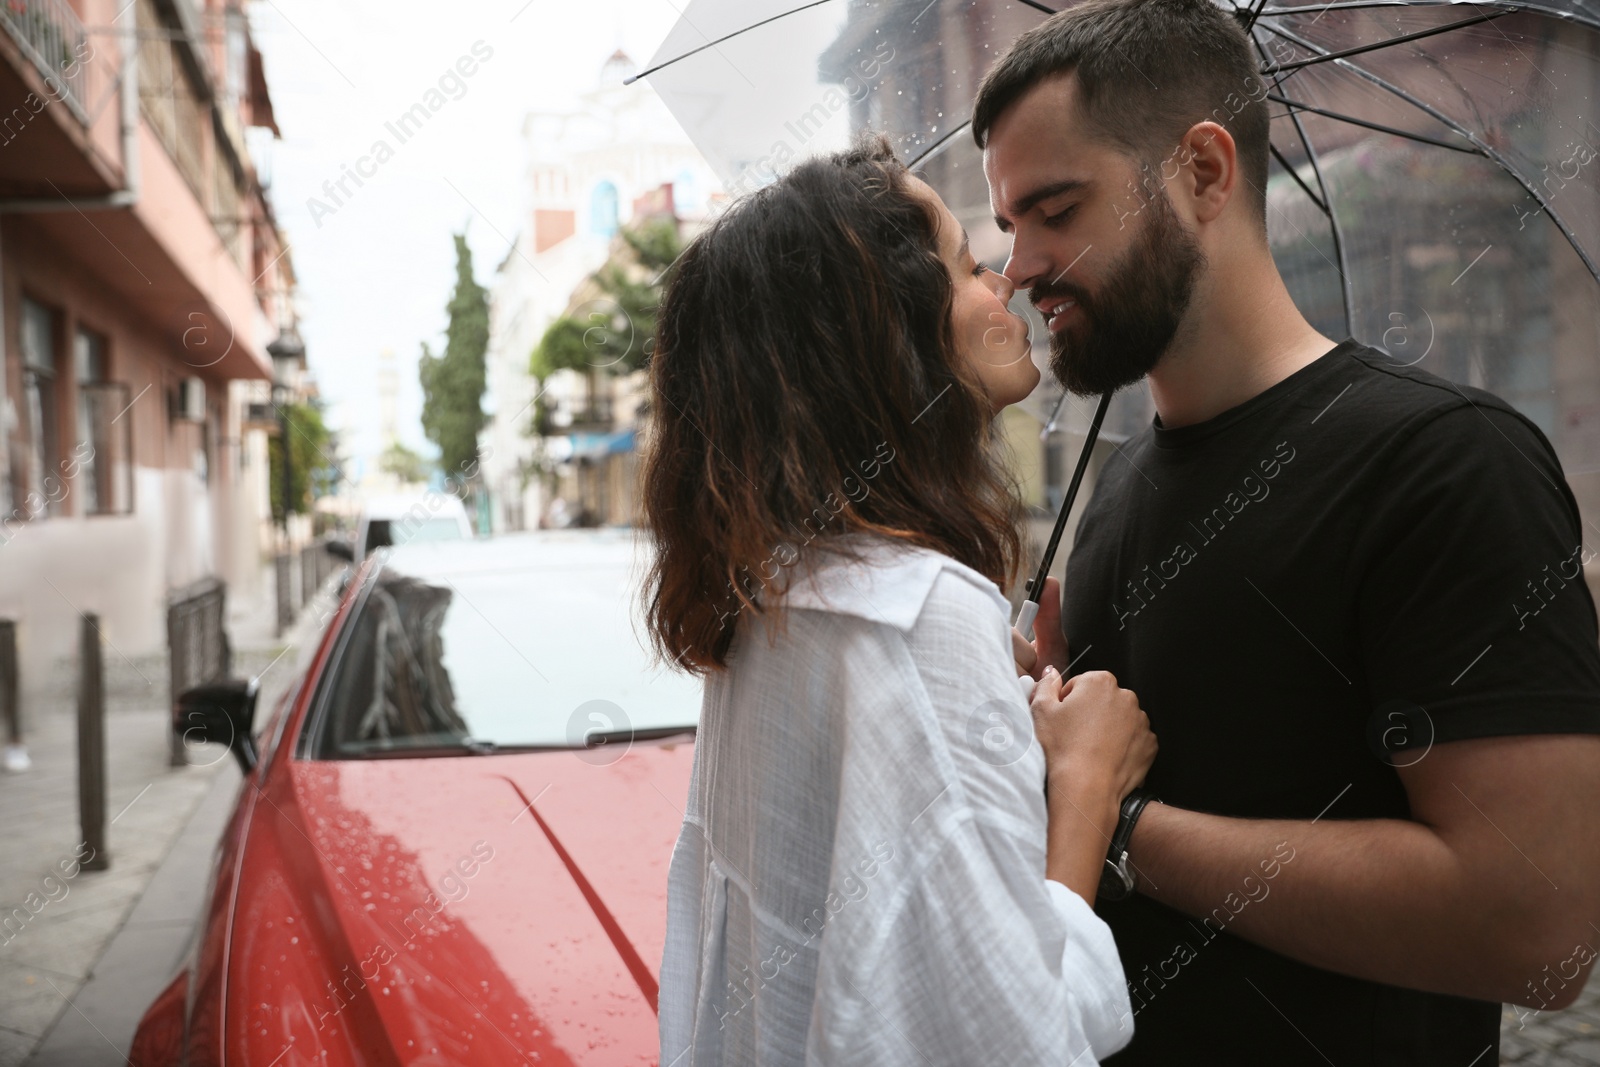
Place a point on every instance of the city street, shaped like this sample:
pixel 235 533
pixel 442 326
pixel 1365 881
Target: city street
pixel 1558 1039
pixel 75 979
pixel 522 524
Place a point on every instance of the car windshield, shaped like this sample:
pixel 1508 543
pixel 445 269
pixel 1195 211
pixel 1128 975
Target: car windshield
pixel 447 528
pixel 381 533
pixel 482 646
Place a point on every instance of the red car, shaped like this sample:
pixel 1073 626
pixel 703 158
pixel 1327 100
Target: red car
pixel 452 840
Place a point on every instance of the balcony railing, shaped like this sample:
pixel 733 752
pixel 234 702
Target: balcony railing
pixel 596 418
pixel 51 35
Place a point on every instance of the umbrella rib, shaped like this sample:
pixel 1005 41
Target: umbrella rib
pixel 1344 5
pixel 1342 266
pixel 1341 117
pixel 1504 163
pixel 936 147
pixel 1253 15
pixel 1583 17
pixel 725 37
pixel 1296 176
pixel 1324 57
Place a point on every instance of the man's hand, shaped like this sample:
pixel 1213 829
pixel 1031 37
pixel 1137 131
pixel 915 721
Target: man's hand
pixel 1023 652
pixel 1049 645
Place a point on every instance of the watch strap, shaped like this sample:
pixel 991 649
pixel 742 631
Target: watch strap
pixel 1116 880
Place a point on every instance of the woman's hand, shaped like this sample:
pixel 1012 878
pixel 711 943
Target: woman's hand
pixel 1093 732
pixel 1098 747
pixel 1049 645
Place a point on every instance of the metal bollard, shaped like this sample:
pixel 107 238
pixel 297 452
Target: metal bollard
pixel 16 754
pixel 178 651
pixel 285 592
pixel 92 743
pixel 308 573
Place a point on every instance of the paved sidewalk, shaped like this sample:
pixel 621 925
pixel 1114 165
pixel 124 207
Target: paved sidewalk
pixel 65 922
pixel 80 961
pixel 149 948
pixel 1568 1038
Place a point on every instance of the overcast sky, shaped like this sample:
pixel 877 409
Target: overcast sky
pixel 377 266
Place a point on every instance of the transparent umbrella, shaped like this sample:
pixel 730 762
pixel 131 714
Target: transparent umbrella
pixel 1433 188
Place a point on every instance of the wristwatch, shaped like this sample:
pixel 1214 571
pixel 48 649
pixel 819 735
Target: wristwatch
pixel 1116 881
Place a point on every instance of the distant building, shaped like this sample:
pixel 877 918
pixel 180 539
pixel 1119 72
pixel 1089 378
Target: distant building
pixel 375 479
pixel 142 276
pixel 589 170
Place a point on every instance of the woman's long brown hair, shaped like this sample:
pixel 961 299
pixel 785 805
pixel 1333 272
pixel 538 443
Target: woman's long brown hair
pixel 806 384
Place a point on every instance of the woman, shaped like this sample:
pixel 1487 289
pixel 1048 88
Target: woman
pixel 867 872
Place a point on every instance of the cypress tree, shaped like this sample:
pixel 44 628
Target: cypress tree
pixel 453 383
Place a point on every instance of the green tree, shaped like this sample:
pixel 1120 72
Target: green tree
pixel 615 331
pixel 453 383
pixel 655 243
pixel 310 459
pixel 404 463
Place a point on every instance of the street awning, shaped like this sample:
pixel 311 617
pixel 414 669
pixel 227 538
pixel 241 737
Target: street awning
pixel 600 445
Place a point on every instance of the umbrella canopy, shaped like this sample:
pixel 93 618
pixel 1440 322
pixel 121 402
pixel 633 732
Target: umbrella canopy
pixel 1434 188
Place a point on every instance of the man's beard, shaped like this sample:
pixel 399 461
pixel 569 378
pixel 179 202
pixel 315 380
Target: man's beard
pixel 1128 323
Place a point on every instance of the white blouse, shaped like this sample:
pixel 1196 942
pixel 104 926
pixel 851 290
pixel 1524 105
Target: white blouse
pixel 860 877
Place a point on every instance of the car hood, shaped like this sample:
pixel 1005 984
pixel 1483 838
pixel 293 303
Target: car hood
pixel 485 909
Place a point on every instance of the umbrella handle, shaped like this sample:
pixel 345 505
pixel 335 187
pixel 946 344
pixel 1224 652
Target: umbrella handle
pixel 1025 617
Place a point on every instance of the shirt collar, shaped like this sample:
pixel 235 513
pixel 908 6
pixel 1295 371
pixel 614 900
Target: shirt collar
pixel 888 582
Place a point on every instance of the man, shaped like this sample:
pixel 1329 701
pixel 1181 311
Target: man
pixel 1350 595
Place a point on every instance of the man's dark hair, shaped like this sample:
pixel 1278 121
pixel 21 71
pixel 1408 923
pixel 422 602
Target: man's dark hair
pixel 1147 70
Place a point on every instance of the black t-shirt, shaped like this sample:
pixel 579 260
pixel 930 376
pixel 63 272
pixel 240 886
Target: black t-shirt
pixel 1359 562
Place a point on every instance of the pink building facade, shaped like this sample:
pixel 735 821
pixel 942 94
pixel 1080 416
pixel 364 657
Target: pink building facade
pixel 142 276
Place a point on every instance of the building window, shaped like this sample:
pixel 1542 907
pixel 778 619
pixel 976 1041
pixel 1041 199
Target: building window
pixel 688 199
pixel 603 209
pixel 41 443
pixel 104 448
